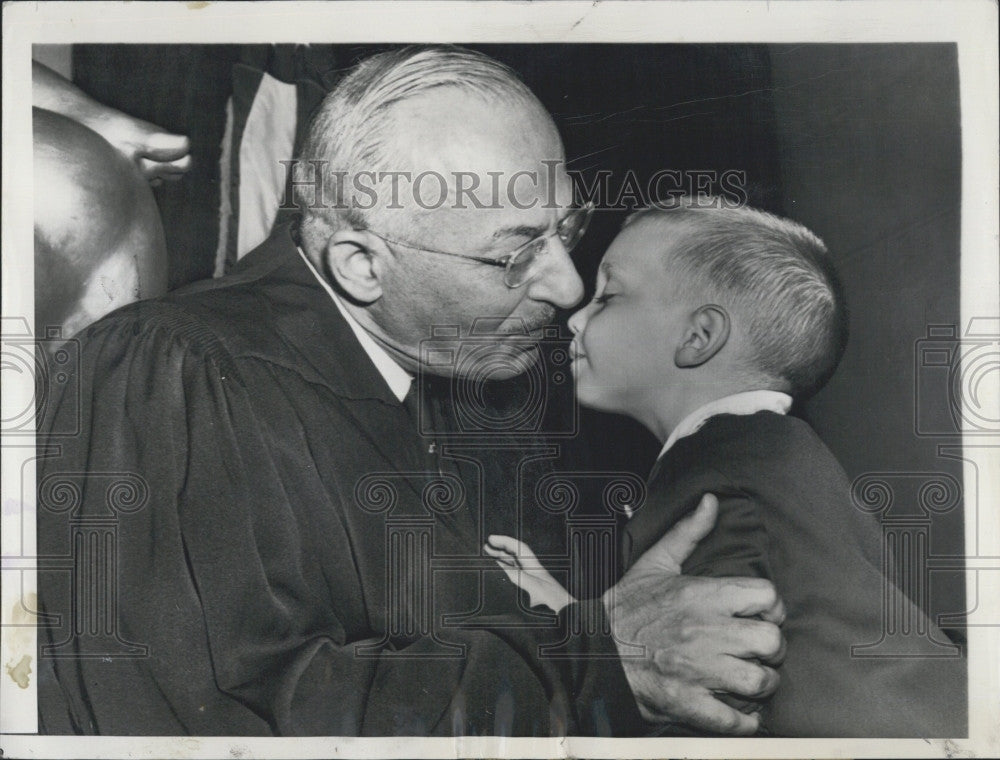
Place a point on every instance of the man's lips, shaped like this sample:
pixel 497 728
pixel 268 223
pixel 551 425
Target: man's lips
pixel 534 329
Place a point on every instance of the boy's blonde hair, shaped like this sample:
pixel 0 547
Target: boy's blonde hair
pixel 775 274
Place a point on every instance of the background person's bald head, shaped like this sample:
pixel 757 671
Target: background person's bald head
pixel 98 238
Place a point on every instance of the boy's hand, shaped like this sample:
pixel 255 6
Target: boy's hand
pixel 527 573
pixel 699 634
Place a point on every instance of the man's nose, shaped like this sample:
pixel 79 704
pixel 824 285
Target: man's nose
pixel 558 282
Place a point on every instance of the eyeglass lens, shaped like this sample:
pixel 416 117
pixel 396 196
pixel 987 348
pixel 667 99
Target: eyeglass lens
pixel 570 230
pixel 519 267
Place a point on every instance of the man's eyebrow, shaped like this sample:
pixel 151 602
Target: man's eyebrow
pixel 606 268
pixel 520 230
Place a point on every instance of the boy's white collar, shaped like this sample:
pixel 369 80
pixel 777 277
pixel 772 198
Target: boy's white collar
pixel 748 402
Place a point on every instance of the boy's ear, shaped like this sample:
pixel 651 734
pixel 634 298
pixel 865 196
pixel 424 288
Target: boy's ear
pixel 705 335
pixel 356 260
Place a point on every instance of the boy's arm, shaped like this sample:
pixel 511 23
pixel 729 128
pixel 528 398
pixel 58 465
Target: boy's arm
pixel 834 597
pixel 738 545
pixel 736 548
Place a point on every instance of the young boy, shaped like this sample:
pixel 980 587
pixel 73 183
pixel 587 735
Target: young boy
pixel 706 324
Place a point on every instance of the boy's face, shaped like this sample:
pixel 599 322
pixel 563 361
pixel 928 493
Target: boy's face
pixel 625 339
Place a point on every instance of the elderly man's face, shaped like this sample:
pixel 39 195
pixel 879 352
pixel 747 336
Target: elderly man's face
pixel 515 155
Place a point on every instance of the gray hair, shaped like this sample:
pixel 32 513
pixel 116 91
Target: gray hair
pixel 352 129
pixel 776 275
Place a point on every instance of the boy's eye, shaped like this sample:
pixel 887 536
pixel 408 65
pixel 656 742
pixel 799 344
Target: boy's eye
pixel 603 298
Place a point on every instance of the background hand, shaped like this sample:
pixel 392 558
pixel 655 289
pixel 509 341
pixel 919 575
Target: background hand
pixel 158 153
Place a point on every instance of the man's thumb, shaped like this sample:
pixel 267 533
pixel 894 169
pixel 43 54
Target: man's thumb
pixel 676 546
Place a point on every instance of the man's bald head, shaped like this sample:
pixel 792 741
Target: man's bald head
pixel 394 100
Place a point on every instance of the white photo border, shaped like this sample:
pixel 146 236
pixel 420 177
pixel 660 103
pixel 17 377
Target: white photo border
pixel 971 24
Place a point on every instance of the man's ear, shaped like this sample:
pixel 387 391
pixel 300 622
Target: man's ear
pixel 706 333
pixel 356 260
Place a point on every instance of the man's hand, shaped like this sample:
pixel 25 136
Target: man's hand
pixel 699 634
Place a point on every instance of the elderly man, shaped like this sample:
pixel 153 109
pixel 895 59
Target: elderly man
pixel 283 563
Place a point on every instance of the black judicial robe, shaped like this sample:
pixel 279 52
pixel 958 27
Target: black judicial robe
pixel 216 526
pixel 786 514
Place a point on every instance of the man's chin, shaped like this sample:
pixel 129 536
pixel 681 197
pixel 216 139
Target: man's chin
pixel 490 360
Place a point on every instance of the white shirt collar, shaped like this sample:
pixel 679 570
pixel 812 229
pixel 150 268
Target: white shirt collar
pixel 397 378
pixel 748 402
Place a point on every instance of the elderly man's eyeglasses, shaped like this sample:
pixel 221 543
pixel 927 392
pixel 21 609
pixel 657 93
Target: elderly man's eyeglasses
pixel 519 264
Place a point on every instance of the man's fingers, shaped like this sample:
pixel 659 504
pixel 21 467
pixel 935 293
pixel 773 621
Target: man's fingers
pixel 778 657
pixel 750 597
pixel 746 679
pixel 507 563
pixel 775 613
pixel 731 675
pixel 703 711
pixel 676 546
pixel 700 641
pixel 742 597
pixel 746 639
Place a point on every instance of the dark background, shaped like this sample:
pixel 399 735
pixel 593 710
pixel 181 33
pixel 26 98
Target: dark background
pixel 861 143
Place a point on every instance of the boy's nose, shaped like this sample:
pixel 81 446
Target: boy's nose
pixel 578 321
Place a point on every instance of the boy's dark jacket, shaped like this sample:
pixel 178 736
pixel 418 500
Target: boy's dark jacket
pixel 786 514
